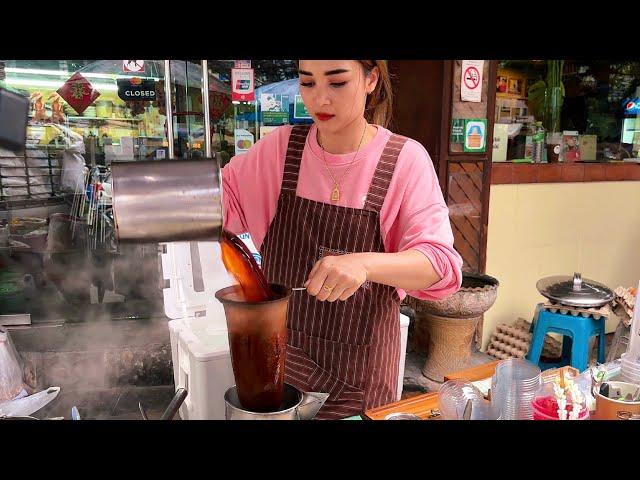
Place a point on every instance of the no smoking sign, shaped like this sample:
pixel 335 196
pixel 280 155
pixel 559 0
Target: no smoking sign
pixel 471 80
pixel 135 66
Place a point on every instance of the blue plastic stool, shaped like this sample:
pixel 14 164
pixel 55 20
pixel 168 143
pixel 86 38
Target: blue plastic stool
pixel 579 329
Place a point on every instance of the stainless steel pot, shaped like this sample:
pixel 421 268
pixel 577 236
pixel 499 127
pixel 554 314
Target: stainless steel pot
pixel 296 405
pixel 167 201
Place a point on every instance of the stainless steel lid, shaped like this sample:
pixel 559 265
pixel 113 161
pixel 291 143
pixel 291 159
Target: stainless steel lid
pixel 575 291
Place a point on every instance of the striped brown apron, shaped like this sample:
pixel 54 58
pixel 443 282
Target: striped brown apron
pixel 349 349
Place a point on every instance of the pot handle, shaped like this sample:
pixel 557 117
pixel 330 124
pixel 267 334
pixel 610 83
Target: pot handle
pixel 310 404
pixel 577 282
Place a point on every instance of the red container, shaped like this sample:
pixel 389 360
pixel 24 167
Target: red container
pixel 546 408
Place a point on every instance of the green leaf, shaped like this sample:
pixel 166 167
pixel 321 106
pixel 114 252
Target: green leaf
pixel 536 95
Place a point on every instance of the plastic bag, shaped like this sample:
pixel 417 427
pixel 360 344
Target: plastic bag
pixel 10 368
pixel 73 168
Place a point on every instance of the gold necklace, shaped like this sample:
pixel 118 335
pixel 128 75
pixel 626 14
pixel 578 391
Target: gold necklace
pixel 335 192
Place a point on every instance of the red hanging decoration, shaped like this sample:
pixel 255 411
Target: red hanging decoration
pixel 78 92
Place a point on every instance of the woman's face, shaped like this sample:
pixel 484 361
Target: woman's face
pixel 335 91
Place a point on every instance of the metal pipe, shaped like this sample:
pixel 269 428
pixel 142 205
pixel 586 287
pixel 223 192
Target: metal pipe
pixel 167 103
pixel 175 404
pixel 205 108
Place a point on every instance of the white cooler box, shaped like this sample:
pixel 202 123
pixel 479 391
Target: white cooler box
pixel 193 272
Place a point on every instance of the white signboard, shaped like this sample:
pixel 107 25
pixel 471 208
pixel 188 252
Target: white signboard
pixel 471 81
pixel 243 140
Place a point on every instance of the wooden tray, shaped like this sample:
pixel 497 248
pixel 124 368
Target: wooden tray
pixel 424 405
pixel 473 374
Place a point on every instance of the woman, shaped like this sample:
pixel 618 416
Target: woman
pixel 355 214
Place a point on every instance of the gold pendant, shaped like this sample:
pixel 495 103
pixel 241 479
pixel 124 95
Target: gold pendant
pixel 335 193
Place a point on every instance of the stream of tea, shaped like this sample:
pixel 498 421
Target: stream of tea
pixel 240 263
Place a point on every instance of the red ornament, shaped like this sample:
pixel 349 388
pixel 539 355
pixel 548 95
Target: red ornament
pixel 78 92
pixel 218 103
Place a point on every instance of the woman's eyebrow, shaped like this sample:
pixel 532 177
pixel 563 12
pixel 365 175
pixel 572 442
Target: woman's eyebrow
pixel 328 73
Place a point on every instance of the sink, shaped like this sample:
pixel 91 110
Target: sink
pixel 513 129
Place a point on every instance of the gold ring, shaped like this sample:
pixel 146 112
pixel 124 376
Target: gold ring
pixel 328 289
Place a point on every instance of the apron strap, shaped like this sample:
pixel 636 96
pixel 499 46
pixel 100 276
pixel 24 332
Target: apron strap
pixel 384 172
pixel 295 148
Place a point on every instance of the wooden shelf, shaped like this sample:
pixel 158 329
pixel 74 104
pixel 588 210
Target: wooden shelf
pixel 49 122
pixel 564 172
pixel 514 96
pixel 106 119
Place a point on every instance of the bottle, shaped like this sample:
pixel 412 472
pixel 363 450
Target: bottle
pixel 528 131
pixel 538 143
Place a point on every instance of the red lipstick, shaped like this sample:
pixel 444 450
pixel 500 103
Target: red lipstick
pixel 324 116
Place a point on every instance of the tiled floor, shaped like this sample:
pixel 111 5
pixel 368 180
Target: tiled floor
pixel 415 382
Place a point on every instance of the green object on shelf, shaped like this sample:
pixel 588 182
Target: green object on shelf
pixel 10 283
pixel 522 160
pixel 13 297
pixel 547 96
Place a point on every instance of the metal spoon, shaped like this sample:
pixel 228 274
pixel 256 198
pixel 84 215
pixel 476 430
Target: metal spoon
pixel 142 411
pixel 468 408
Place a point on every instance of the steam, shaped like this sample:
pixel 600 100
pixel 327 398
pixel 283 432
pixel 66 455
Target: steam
pixel 89 293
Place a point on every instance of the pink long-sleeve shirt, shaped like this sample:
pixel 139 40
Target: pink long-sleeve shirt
pixel 413 215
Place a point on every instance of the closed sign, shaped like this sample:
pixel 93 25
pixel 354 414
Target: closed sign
pixel 136 89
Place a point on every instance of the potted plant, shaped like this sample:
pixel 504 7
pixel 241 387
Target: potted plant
pixel 545 101
pixel 547 96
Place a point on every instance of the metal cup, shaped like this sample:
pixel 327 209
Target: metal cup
pixel 167 201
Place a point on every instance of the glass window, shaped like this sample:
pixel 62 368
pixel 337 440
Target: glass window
pixel 58 257
pixel 59 260
pixel 238 124
pixel 578 110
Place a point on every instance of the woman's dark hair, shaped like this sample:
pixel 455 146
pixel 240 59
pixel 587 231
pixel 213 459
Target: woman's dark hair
pixel 378 108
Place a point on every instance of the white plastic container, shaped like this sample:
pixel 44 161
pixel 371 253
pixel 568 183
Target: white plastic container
pixel 404 332
pixel 201 365
pixel 193 272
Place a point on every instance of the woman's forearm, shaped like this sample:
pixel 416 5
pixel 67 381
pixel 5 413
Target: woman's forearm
pixel 409 270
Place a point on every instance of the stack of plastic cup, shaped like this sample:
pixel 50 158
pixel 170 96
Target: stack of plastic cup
pixel 453 396
pixel 630 369
pixel 513 386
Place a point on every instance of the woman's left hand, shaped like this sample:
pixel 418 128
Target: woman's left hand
pixel 336 277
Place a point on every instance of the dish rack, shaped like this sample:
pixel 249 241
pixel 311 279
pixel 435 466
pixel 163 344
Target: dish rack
pixel 33 175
